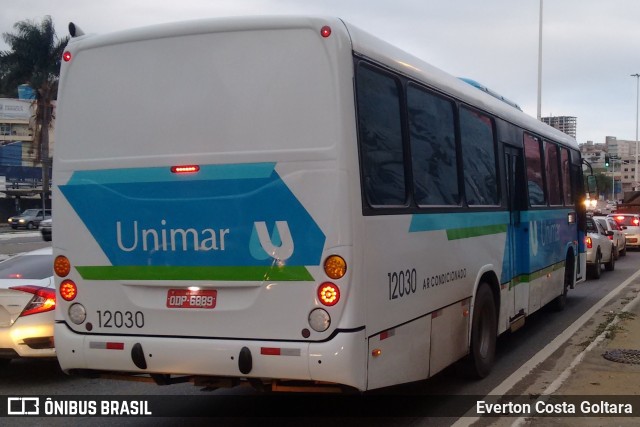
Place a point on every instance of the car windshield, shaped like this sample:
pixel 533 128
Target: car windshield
pixel 34 267
pixel 30 212
pixel 627 220
pixel 603 223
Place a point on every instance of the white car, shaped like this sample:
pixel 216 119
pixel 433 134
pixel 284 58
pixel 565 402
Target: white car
pixel 600 250
pixel 27 302
pixel 618 237
pixel 631 222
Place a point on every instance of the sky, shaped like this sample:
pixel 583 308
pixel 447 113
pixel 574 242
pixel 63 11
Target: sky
pixel 590 48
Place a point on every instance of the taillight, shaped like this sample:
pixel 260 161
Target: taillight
pixel 589 242
pixel 44 299
pixel 328 294
pixel 636 222
pixel 610 237
pixel 68 290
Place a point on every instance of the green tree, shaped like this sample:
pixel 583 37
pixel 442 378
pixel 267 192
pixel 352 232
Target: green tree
pixel 34 58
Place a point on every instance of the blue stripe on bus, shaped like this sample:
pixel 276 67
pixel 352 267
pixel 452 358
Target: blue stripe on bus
pixel 164 174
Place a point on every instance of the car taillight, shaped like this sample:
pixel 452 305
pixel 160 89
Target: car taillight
pixel 589 242
pixel 44 299
pixel 636 222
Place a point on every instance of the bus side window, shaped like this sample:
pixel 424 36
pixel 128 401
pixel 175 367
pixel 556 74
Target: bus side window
pixel 380 136
pixel 554 189
pixel 479 159
pixel 433 149
pixel 535 181
pixel 566 178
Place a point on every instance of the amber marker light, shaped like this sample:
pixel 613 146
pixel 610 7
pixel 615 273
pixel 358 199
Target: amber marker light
pixel 335 267
pixel 68 290
pixel 328 294
pixel 61 266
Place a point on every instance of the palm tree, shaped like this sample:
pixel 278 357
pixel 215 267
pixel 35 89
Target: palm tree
pixel 34 58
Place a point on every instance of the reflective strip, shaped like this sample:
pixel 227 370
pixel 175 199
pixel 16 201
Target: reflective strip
pixel 106 345
pixel 273 351
pixel 387 334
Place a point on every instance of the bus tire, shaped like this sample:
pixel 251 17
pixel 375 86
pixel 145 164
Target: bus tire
pixel 560 302
pixel 483 333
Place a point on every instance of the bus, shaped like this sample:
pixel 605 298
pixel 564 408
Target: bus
pixel 294 203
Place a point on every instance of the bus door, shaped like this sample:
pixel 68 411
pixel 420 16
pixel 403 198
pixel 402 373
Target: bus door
pixel 518 242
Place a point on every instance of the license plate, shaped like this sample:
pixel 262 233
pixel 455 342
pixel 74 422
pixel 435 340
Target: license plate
pixel 185 298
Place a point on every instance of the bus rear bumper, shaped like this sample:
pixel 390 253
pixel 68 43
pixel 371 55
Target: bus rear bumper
pixel 341 360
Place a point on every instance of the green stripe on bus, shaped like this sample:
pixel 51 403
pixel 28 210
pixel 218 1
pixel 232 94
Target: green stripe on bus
pixel 527 278
pixel 239 273
pixel 465 233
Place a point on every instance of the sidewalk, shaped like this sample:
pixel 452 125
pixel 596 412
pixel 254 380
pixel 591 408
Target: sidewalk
pixel 579 371
pixel 609 366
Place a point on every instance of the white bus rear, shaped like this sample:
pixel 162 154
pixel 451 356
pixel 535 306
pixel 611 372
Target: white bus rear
pixel 211 224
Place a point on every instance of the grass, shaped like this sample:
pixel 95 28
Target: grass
pixel 607 328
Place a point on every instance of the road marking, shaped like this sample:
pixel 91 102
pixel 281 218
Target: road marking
pixel 504 387
pixel 15 235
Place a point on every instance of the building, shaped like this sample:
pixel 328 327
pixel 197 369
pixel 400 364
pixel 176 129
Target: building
pixel 20 169
pixel 566 124
pixel 622 164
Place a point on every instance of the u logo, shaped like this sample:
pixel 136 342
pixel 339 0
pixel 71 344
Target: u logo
pixel 533 237
pixel 278 245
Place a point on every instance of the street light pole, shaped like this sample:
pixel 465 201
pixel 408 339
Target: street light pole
pixel 540 66
pixel 637 76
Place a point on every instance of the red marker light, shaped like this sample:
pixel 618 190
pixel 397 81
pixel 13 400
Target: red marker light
pixel 185 169
pixel 325 31
pixel 66 56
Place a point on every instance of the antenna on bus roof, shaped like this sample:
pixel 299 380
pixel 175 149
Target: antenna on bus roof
pixel 74 30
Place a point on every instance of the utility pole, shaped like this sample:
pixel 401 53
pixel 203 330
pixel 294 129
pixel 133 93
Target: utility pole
pixel 637 76
pixel 540 66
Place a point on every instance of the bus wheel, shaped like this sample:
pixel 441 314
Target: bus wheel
pixel 560 302
pixel 483 333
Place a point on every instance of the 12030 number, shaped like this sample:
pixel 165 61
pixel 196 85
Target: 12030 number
pixel 120 319
pixel 402 283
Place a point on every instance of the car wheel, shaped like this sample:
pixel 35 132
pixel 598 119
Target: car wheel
pixel 30 226
pixel 596 269
pixel 611 265
pixel 623 252
pixel 483 333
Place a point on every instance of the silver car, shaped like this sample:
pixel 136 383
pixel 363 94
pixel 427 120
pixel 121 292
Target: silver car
pixel 618 236
pixel 600 250
pixel 632 230
pixel 45 229
pixel 29 219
